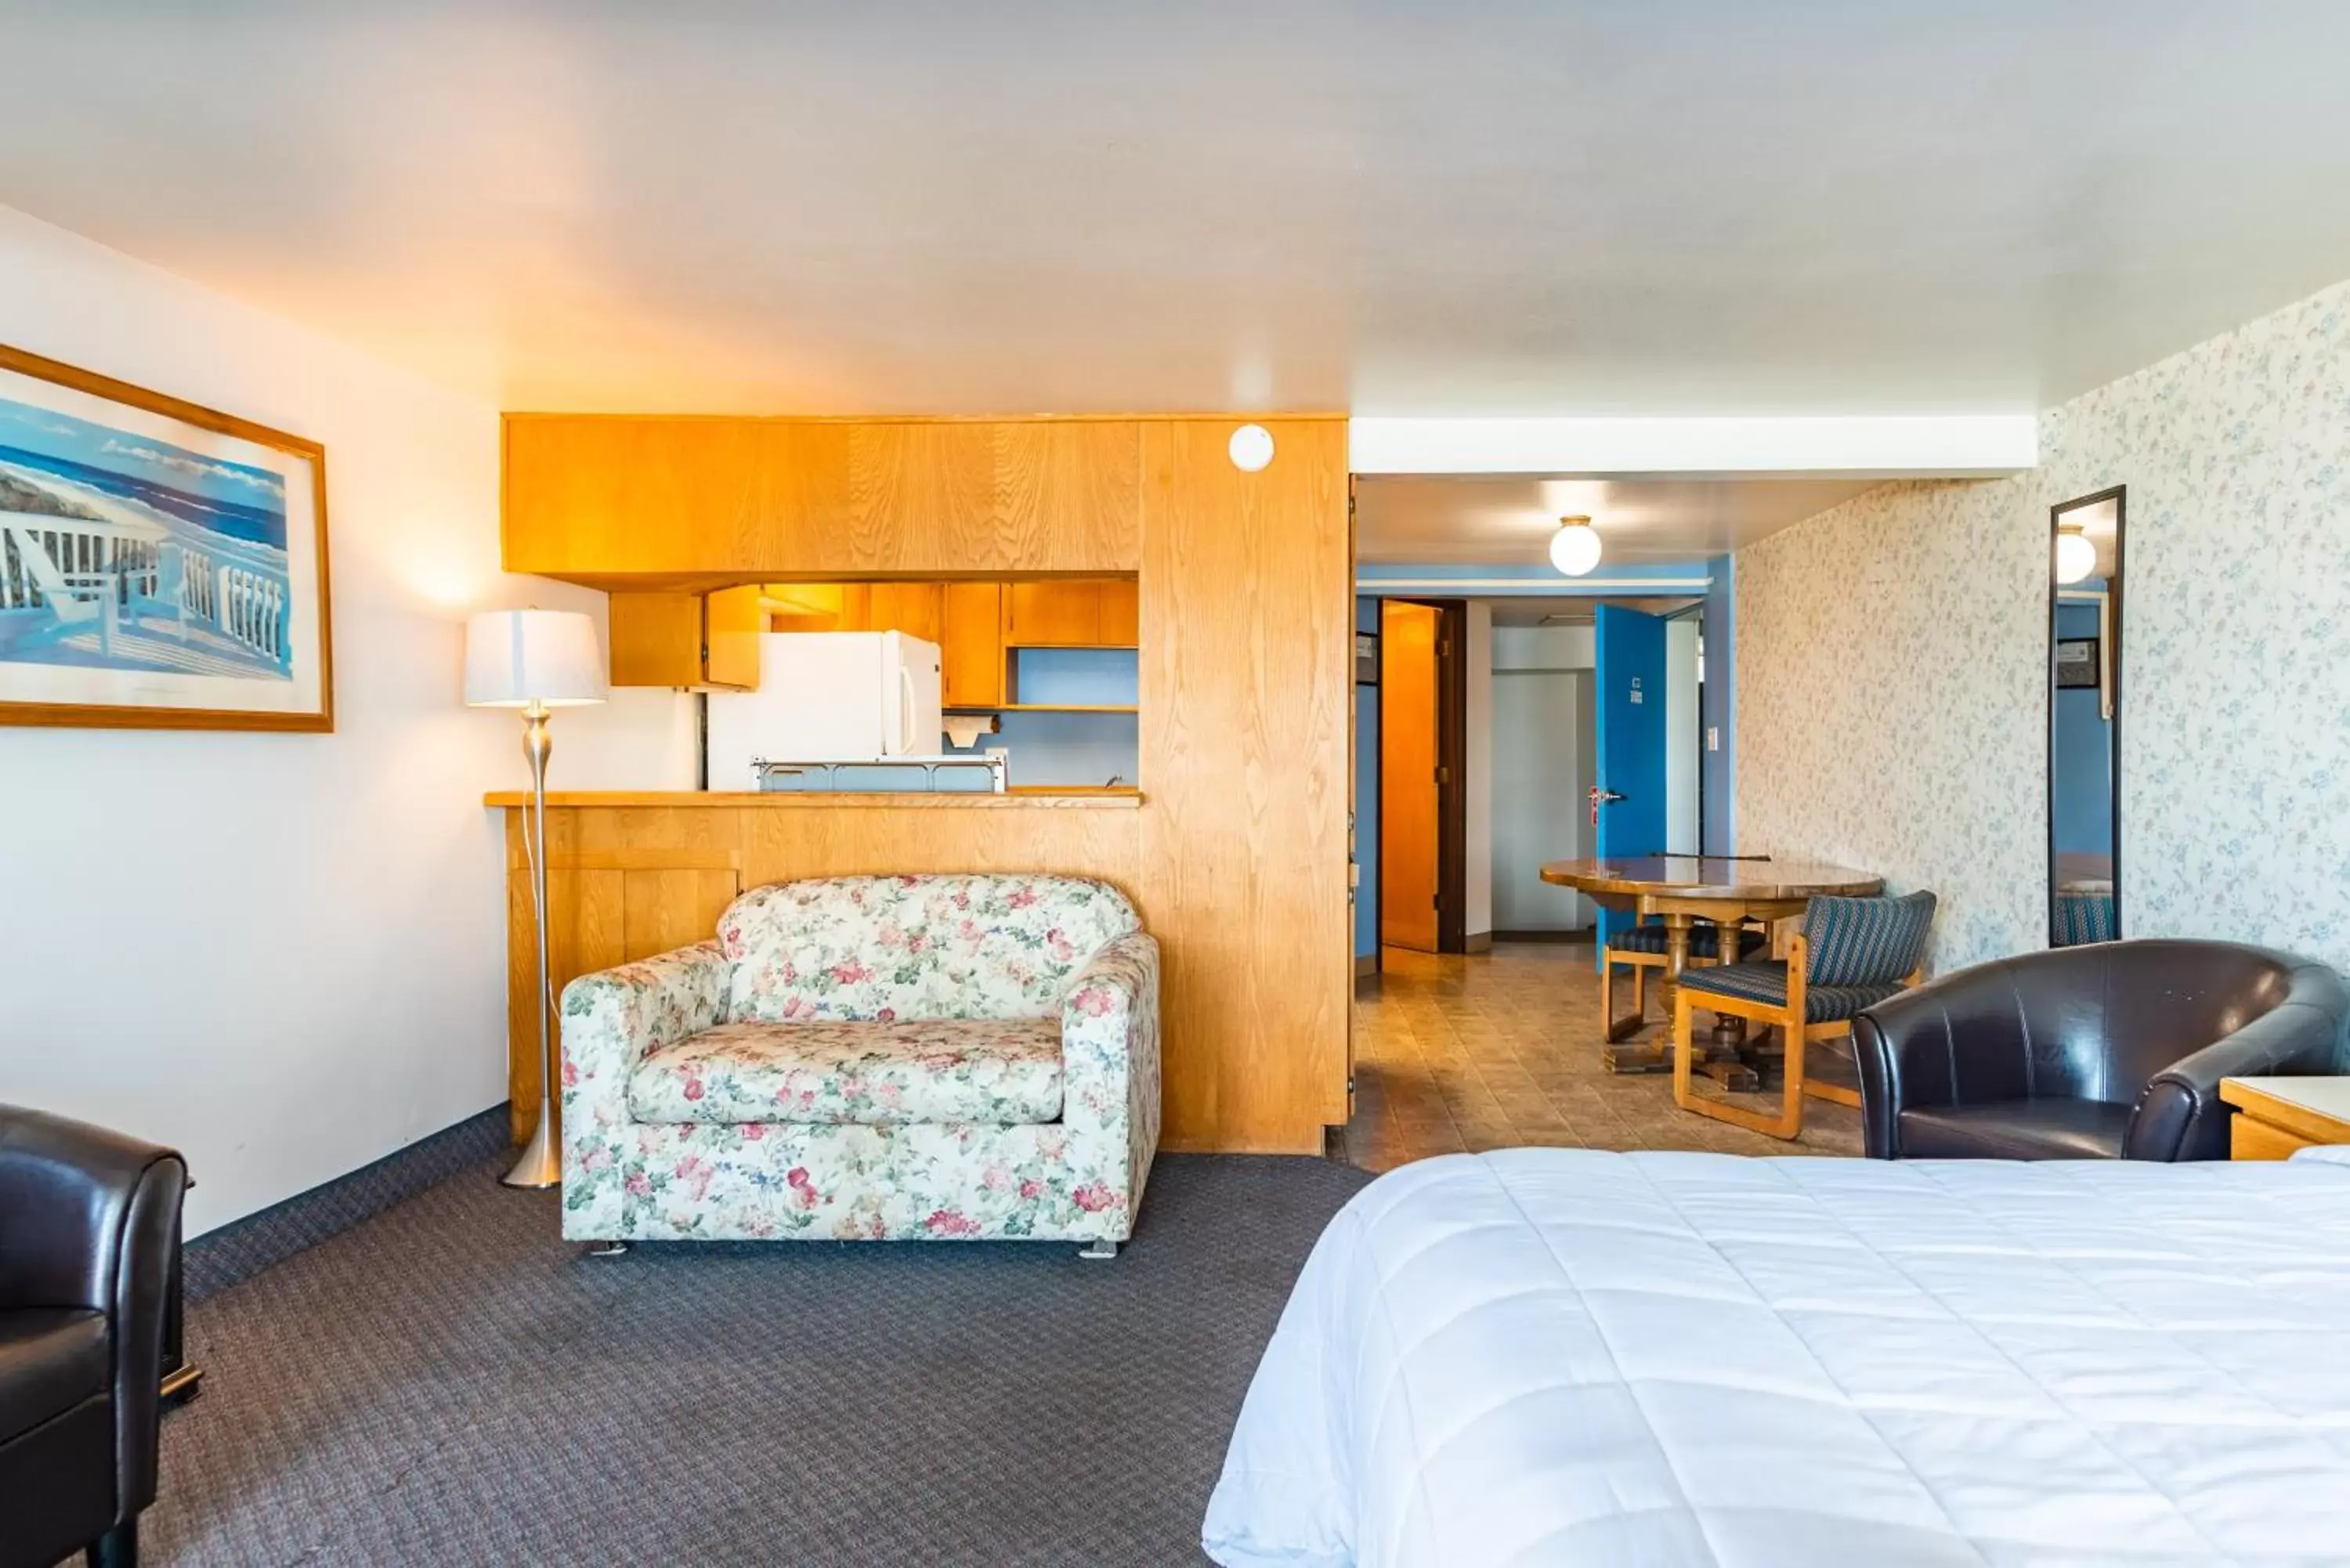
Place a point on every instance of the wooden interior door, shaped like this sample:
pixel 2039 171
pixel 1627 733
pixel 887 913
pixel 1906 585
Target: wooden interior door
pixel 1408 760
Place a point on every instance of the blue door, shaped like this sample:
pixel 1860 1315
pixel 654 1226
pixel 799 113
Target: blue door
pixel 1631 725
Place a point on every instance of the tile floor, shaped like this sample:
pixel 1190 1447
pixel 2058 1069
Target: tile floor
pixel 1502 1049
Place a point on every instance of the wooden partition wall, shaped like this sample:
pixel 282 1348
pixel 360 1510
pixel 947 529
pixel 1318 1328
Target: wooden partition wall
pixel 1237 852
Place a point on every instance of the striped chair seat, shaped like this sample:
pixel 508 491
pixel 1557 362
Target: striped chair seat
pixel 1767 983
pixel 1704 941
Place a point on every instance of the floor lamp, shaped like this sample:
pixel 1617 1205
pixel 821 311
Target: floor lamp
pixel 535 661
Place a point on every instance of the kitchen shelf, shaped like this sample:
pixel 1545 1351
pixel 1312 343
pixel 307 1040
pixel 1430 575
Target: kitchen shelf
pixel 1044 707
pixel 1015 646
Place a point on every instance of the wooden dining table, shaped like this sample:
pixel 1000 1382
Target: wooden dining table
pixel 1680 888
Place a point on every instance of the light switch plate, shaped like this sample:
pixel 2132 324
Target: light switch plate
pixel 1713 737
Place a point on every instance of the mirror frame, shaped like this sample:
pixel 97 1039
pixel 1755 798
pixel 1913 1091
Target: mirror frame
pixel 2112 654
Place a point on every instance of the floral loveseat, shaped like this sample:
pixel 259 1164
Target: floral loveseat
pixel 871 1058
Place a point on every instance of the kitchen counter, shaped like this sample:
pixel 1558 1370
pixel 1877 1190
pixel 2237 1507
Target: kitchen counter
pixel 1078 796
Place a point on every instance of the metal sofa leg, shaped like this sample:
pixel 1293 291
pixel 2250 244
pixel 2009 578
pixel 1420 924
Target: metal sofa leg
pixel 1101 1251
pixel 603 1249
pixel 118 1548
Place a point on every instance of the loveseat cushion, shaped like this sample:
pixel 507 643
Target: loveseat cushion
pixel 992 1073
pixel 894 948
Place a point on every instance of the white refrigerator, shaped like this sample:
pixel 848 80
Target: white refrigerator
pixel 828 696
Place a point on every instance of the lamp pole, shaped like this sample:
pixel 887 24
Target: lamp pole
pixel 541 1165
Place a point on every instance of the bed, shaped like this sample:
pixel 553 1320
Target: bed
pixel 1576 1358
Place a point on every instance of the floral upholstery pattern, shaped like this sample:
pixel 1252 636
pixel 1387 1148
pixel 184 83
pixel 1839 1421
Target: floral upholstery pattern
pixel 1004 1073
pixel 1080 1178
pixel 889 948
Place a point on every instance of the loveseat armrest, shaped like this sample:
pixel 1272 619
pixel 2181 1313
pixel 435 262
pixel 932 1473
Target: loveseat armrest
pixel 1109 1061
pixel 612 1017
pixel 2180 1115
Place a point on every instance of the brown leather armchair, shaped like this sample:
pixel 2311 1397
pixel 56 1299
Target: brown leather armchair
pixel 2110 1050
pixel 89 1231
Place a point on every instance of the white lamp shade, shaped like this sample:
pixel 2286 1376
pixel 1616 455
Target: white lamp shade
pixel 517 657
pixel 2076 556
pixel 1575 548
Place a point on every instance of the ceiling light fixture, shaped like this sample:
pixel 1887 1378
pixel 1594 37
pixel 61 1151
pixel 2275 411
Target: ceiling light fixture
pixel 1250 449
pixel 2077 557
pixel 1575 548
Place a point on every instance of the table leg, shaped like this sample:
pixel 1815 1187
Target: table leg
pixel 1657 1057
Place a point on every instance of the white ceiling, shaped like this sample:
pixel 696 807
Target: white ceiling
pixel 1508 522
pixel 1536 206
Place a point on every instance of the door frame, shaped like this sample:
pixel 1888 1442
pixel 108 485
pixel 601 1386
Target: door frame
pixel 1451 760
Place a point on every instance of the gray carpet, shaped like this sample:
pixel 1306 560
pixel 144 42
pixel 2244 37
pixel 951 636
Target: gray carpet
pixel 450 1384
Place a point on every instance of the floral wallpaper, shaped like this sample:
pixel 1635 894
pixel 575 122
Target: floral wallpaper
pixel 1892 704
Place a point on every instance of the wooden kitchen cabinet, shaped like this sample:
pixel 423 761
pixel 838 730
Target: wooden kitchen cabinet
pixel 971 644
pixel 687 640
pixel 910 607
pixel 1121 613
pixel 1102 613
pixel 1052 615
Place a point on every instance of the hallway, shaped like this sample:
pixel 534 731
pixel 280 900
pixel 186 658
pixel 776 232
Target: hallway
pixel 1493 1051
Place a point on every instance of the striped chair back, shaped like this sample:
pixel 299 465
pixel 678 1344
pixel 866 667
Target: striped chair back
pixel 1866 941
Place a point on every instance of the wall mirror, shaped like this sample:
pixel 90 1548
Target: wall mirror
pixel 2085 711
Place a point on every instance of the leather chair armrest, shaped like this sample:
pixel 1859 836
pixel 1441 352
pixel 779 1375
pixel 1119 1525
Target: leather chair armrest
pixel 1951 1041
pixel 93 1222
pixel 65 1189
pixel 2181 1116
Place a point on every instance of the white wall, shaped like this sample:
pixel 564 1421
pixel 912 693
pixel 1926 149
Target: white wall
pixel 285 954
pixel 1545 648
pixel 1477 835
pixel 1681 739
pixel 1542 766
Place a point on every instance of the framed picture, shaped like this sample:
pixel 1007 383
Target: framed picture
pixel 162 566
pixel 2076 661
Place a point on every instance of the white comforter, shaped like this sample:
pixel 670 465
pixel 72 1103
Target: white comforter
pixel 1566 1357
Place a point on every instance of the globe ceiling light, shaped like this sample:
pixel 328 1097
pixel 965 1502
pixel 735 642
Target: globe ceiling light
pixel 1575 548
pixel 1250 449
pixel 2076 557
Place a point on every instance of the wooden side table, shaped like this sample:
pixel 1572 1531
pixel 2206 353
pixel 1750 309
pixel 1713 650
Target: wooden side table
pixel 2278 1117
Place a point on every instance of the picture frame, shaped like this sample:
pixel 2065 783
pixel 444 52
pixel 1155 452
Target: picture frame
pixel 2076 662
pixel 162 564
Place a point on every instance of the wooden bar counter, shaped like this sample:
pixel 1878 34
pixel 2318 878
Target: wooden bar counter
pixel 634 874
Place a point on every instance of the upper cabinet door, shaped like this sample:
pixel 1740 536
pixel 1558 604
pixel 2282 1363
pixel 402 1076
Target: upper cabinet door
pixel 601 495
pixel 686 639
pixel 731 620
pixel 913 608
pixel 1052 615
pixel 970 645
pixel 1121 613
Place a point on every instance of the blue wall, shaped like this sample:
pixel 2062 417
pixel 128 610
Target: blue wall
pixel 2081 779
pixel 1070 748
pixel 1717 769
pixel 1366 797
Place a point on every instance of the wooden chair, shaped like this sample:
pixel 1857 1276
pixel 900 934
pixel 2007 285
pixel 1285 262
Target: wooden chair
pixel 1852 954
pixel 1642 948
